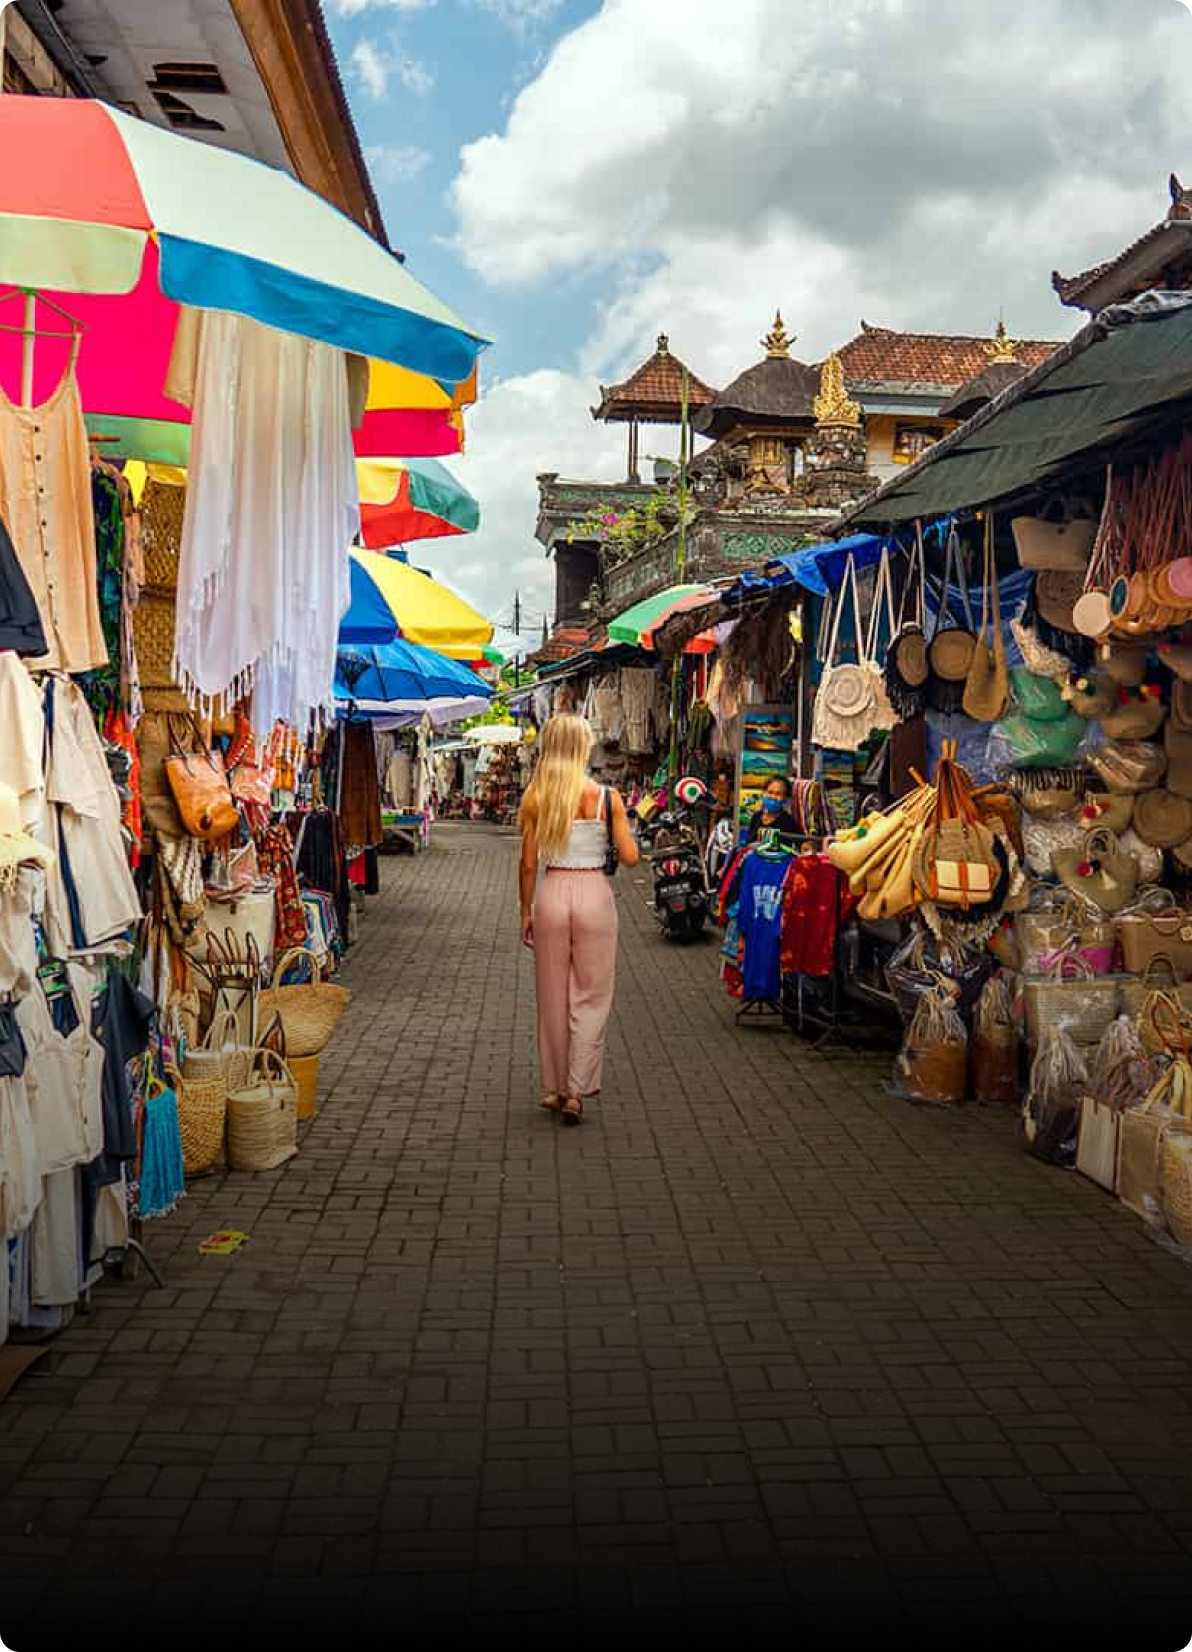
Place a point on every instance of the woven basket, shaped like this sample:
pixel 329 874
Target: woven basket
pixel 305 1070
pixel 1083 1005
pixel 153 641
pixel 1161 975
pixel 1176 1182
pixel 232 1056
pixel 162 509
pixel 202 1114
pixel 1139 1159
pixel 263 1117
pixel 309 1011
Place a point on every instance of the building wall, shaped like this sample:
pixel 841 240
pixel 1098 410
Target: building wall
pixel 28 68
pixel 880 432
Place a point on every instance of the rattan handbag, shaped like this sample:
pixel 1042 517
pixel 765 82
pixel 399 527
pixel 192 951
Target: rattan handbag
pixel 1154 926
pixel 950 651
pixel 1098 872
pixel 1071 997
pixel 906 657
pixel 224 1044
pixel 202 1113
pixel 263 1116
pixel 1175 1174
pixel 310 1010
pixel 987 690
pixel 1160 976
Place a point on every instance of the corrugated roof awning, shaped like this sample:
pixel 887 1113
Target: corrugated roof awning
pixel 1128 369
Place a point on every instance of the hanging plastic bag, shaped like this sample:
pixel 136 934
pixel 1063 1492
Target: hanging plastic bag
pixel 918 965
pixel 994 1050
pixel 933 1063
pixel 1051 1110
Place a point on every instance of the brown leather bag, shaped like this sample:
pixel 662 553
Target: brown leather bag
pixel 201 791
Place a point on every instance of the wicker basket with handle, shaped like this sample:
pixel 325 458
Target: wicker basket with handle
pixel 1175 1170
pixel 310 1010
pixel 224 1043
pixel 1072 997
pixel 263 1116
pixel 202 1115
pixel 1152 926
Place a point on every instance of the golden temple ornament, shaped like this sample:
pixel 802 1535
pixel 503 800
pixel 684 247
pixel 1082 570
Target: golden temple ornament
pixel 1000 348
pixel 833 405
pixel 778 341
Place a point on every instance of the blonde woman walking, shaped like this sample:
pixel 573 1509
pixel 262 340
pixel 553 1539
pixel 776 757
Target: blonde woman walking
pixel 568 915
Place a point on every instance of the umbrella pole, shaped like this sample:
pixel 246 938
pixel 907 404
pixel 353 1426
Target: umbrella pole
pixel 27 348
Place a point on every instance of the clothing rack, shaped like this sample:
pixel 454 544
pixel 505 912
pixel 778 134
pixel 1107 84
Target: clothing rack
pixel 765 1012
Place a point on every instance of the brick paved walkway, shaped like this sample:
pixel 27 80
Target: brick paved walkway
pixel 758 1347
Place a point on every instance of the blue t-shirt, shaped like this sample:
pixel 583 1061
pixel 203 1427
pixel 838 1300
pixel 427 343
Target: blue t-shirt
pixel 760 920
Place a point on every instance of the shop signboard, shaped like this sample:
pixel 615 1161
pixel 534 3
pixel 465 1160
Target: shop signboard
pixel 765 752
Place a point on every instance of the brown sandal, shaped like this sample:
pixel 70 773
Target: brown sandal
pixel 552 1103
pixel 573 1110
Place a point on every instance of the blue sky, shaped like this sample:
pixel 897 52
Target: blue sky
pixel 423 80
pixel 577 176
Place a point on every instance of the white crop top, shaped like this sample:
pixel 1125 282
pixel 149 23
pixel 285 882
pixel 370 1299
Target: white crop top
pixel 587 846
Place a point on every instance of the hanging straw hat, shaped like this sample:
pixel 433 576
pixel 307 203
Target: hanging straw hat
pixel 1124 662
pixel 1178 745
pixel 1162 818
pixel 1177 657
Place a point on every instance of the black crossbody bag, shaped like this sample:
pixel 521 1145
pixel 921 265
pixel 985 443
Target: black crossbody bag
pixel 610 851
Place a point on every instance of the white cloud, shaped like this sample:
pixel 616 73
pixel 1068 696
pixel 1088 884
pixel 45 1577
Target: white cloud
pixel 373 64
pixel 654 130
pixel 353 8
pixel 537 422
pixel 415 76
pixel 519 15
pixel 396 164
pixel 371 67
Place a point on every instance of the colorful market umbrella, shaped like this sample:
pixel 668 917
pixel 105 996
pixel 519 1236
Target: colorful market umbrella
pixel 405 499
pixel 442 713
pixel 387 590
pixel 402 673
pixel 636 624
pixel 148 220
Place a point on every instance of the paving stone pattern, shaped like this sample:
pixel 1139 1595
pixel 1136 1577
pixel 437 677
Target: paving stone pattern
pixel 758 1347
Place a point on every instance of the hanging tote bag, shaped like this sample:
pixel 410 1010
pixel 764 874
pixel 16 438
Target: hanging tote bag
pixel 1050 542
pixel 202 1114
pixel 884 714
pixel 988 687
pixel 1092 615
pixel 950 652
pixel 1099 872
pixel 200 787
pixel 263 1117
pixel 844 702
pixel 906 658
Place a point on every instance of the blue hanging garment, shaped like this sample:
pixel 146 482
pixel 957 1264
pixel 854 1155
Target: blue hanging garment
pixel 163 1181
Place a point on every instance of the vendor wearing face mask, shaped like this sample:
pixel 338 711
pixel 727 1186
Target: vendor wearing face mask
pixel 774 816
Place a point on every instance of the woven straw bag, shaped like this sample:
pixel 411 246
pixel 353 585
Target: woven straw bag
pixel 202 1113
pixel 1162 818
pixel 1138 715
pixel 263 1116
pixel 1099 872
pixel 987 690
pixel 232 1057
pixel 1043 542
pixel 1091 696
pixel 1160 976
pixel 906 657
pixel 1175 1171
pixel 1071 997
pixel 1140 1145
pixel 845 702
pixel 1156 925
pixel 950 651
pixel 163 507
pixel 309 1011
pixel 1041 937
pixel 1124 663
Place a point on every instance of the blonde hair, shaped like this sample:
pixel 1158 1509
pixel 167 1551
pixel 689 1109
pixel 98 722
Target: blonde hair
pixel 558 784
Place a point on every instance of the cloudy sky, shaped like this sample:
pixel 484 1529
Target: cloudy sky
pixel 577 176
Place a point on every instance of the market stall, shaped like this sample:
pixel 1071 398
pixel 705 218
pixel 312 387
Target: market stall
pixel 181 823
pixel 1002 705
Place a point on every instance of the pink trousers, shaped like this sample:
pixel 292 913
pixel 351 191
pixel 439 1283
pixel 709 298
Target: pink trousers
pixel 575 959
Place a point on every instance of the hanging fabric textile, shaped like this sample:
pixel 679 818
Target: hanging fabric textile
pixel 272 506
pixel 275 856
pixel 45 504
pixel 20 622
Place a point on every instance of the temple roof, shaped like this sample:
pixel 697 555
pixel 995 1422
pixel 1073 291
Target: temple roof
pixel 777 391
pixel 880 357
pixel 654 394
pixel 1135 268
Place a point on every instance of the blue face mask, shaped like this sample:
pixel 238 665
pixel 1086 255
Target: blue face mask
pixel 772 805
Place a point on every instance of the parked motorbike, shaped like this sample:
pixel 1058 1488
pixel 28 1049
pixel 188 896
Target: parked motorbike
pixel 680 887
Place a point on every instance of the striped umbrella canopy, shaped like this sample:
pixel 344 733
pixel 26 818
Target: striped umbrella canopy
pixel 636 625
pixel 406 499
pixel 389 598
pixel 119 222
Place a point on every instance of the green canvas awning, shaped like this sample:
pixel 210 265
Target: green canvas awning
pixel 1094 393
pixel 631 626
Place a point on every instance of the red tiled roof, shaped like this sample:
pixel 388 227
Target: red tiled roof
pixel 880 355
pixel 655 391
pixel 561 645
